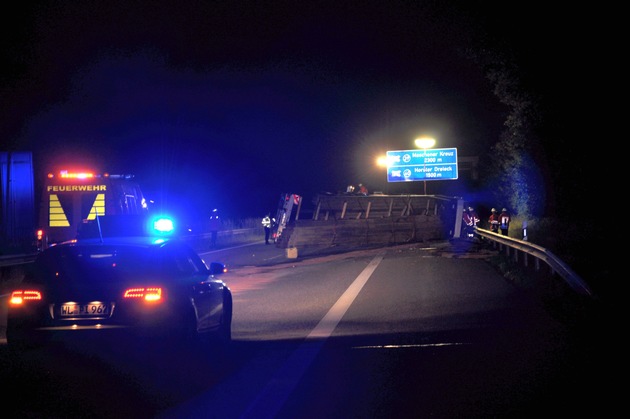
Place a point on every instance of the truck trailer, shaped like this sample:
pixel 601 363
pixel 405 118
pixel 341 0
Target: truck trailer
pixel 17 207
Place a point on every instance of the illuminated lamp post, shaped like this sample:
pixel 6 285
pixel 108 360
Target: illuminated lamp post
pixel 424 143
pixel 381 161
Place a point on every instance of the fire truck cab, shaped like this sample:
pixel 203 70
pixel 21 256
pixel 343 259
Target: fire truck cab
pixel 73 198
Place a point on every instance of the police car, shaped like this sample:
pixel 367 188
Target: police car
pixel 129 276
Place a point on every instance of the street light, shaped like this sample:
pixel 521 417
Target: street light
pixel 424 143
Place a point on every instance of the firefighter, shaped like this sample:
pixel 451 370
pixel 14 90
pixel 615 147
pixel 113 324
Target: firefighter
pixel 493 220
pixel 473 216
pixel 466 223
pixel 504 221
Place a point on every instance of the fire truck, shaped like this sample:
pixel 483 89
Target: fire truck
pixel 71 199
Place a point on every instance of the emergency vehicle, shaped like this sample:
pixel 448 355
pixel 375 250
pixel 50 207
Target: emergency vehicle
pixel 73 198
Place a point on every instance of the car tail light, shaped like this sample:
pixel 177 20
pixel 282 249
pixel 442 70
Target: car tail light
pixel 21 297
pixel 153 294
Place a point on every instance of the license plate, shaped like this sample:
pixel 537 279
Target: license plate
pixel 84 310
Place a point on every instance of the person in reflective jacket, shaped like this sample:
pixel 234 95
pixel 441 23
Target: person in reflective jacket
pixel 473 216
pixel 267 223
pixel 504 221
pixel 467 223
pixel 493 220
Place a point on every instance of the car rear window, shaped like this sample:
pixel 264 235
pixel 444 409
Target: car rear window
pixel 83 260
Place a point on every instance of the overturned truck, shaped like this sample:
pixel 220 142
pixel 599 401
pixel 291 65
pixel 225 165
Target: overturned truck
pixel 356 220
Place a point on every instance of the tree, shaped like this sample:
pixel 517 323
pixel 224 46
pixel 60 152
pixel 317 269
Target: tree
pixel 514 175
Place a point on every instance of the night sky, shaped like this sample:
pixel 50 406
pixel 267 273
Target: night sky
pixel 230 104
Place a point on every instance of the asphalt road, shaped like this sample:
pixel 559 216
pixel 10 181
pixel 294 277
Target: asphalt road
pixel 410 331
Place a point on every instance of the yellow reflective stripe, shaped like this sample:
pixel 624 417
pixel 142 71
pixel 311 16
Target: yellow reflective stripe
pixel 56 215
pixel 97 207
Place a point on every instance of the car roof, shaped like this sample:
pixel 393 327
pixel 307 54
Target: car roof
pixel 128 225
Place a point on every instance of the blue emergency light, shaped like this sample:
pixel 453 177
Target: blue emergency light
pixel 163 225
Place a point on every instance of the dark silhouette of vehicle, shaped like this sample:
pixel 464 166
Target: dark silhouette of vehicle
pixel 140 286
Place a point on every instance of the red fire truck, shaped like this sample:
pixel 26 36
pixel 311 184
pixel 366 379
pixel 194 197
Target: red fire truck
pixel 73 198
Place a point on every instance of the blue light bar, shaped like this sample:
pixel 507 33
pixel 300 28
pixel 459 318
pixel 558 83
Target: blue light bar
pixel 163 225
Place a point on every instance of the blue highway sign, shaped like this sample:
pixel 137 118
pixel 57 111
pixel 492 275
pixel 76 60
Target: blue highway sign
pixel 422 164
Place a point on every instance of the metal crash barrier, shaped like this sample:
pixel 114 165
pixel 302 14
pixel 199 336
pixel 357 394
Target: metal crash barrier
pixel 521 250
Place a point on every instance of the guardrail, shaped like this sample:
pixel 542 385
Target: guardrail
pixel 226 236
pixel 202 240
pixel 520 250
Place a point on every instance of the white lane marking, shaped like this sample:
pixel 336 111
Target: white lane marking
pixel 326 325
pixel 271 399
pixel 423 345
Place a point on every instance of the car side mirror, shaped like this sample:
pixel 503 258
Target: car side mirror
pixel 217 268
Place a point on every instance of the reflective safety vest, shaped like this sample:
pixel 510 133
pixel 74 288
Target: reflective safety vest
pixel 266 222
pixel 505 221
